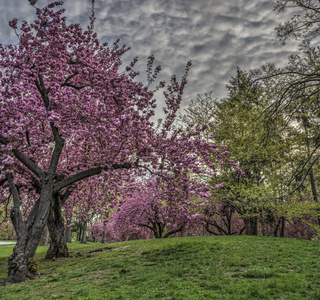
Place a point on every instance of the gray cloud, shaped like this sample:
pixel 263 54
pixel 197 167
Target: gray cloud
pixel 216 35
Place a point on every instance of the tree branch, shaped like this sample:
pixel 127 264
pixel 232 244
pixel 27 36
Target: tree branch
pixel 173 231
pixel 43 91
pixel 301 182
pixel 73 86
pixel 15 214
pixel 87 173
pixel 23 158
pixel 59 143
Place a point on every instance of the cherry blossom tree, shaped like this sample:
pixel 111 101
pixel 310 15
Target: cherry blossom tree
pixel 70 111
pixel 157 206
pixel 106 232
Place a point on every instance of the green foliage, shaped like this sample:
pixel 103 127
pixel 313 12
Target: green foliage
pixel 6 228
pixel 224 267
pixel 293 95
pixel 258 150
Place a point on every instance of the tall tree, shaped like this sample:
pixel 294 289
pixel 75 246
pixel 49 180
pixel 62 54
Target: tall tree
pixel 68 113
pixel 294 93
pixel 239 125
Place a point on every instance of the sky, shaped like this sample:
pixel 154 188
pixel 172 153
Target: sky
pixel 216 35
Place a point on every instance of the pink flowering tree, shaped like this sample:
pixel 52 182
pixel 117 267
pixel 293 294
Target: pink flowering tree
pixel 155 205
pixel 69 114
pixel 105 232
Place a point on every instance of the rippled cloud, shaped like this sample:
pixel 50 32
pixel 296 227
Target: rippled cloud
pixel 217 35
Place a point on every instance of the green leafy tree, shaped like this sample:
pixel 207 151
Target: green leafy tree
pixel 257 152
pixel 295 91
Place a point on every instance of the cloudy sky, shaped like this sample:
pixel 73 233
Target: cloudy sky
pixel 217 35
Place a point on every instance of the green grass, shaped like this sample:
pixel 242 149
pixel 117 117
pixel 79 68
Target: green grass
pixel 236 267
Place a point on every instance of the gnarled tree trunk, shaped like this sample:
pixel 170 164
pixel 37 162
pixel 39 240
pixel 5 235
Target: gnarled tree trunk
pixel 18 261
pixel 28 231
pixel 58 244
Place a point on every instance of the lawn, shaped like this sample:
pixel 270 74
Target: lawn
pixel 223 267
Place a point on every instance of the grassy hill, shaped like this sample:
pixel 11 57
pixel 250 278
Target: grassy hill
pixel 224 267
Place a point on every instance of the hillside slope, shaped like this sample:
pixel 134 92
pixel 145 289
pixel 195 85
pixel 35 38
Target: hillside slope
pixel 223 267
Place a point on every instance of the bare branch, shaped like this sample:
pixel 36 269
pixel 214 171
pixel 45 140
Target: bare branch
pixel 173 231
pixel 301 182
pixel 87 173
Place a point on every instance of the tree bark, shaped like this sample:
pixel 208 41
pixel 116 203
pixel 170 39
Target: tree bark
pixel 173 231
pixel 68 231
pixel 283 225
pixel 313 186
pixel 58 244
pixel 29 231
pixel 18 270
pixel 44 241
pixel 104 235
pixel 314 191
pixel 84 233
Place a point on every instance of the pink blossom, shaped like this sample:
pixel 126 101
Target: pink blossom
pixel 13 23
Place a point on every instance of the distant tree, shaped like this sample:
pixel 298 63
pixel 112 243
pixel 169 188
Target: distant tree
pixel 221 219
pixel 155 205
pixel 257 151
pixel 294 95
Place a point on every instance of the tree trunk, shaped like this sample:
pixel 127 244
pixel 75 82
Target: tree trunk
pixel 58 245
pixel 275 232
pixel 79 235
pixel 313 186
pixel 251 225
pixel 103 237
pixel 28 232
pixel 44 241
pixel 314 192
pixel 312 181
pixel 84 233
pixel 68 231
pixel 283 225
pixel 18 270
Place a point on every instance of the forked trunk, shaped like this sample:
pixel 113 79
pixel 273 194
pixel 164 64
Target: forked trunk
pixel 58 244
pixel 28 232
